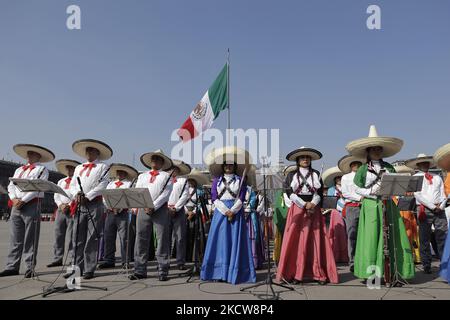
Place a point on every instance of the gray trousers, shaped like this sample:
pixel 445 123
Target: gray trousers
pixel 63 227
pixel 144 227
pixel 117 223
pixel 178 231
pixel 439 220
pixel 88 243
pixel 25 226
pixel 351 224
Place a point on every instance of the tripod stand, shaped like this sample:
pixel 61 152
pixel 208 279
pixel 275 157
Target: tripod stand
pixel 268 281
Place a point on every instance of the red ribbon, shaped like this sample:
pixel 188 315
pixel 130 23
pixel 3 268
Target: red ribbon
pixel 429 177
pixel 349 204
pixel 153 175
pixel 422 216
pixel 174 180
pixel 25 168
pixel 118 184
pixel 67 181
pixel 88 166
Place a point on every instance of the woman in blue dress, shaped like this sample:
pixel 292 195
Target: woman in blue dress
pixel 228 255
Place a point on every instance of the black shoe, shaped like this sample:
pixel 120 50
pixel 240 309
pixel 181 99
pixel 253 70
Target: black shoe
pixel 137 276
pixel 163 277
pixel 321 282
pixel 427 270
pixel 106 265
pixel 88 275
pixel 352 268
pixel 29 274
pixel 58 263
pixel 181 267
pixel 295 281
pixel 7 273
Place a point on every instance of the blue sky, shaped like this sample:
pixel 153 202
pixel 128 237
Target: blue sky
pixel 136 69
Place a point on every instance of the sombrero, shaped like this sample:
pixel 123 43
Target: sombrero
pixel 288 169
pixel 22 149
pixel 198 176
pixel 400 167
pixel 182 166
pixel 330 174
pixel 304 151
pixel 412 163
pixel 79 147
pixel 62 164
pixel 146 159
pixel 229 154
pixel 132 172
pixel 442 157
pixel 345 162
pixel 390 145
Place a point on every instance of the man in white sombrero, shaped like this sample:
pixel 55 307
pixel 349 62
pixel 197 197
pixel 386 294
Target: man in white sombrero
pixel 352 202
pixel 119 221
pixel 430 201
pixel 178 198
pixel 370 243
pixel 63 220
pixel 159 184
pixel 25 219
pixel 94 178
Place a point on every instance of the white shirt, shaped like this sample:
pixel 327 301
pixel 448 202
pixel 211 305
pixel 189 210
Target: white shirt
pixel 59 198
pixel 260 208
pixel 125 184
pixel 92 182
pixel 370 177
pixel 287 201
pixel 348 188
pixel 39 171
pixel 234 187
pixel 159 198
pixel 431 194
pixel 315 183
pixel 179 194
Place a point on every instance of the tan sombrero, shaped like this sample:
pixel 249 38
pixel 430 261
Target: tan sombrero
pixel 288 169
pixel 132 172
pixel 229 154
pixel 304 151
pixel 198 176
pixel 345 162
pixel 62 164
pixel 330 174
pixel 79 147
pixel 442 157
pixel 182 166
pixel 412 163
pixel 22 149
pixel 400 167
pixel 146 159
pixel 390 145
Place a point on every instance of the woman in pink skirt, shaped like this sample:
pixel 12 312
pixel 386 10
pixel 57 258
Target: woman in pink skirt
pixel 306 252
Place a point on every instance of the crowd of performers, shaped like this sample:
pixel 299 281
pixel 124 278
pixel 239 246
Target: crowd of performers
pixel 217 221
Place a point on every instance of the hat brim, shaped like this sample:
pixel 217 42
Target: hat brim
pixel 22 149
pixel 345 162
pixel 412 163
pixel 79 147
pixel 229 154
pixel 403 169
pixel 442 157
pixel 183 167
pixel 199 178
pixel 313 153
pixel 132 172
pixel 391 146
pixel 330 174
pixel 61 165
pixel 147 157
pixel 289 169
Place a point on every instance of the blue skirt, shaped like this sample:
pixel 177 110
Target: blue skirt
pixel 445 261
pixel 228 255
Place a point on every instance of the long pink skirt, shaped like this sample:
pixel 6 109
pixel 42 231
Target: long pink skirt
pixel 306 251
pixel 338 237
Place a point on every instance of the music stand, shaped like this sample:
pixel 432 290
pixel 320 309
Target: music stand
pixel 125 199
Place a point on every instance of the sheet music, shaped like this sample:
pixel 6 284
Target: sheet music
pixel 127 198
pixel 28 185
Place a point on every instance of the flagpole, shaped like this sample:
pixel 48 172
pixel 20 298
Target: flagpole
pixel 228 96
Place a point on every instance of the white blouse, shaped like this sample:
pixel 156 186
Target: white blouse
pixel 315 183
pixel 234 187
pixel 370 178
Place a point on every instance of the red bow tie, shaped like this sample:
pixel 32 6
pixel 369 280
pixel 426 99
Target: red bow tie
pixel 25 168
pixel 67 181
pixel 174 180
pixel 153 175
pixel 118 184
pixel 429 177
pixel 88 166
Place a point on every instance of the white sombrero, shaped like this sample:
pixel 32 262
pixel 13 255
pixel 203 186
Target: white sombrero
pixel 304 151
pixel 62 164
pixel 442 157
pixel 400 167
pixel 390 145
pixel 345 162
pixel 229 154
pixel 199 177
pixel 132 172
pixel 147 157
pixel 288 169
pixel 79 147
pixel 330 174
pixel 22 149
pixel 182 166
pixel 412 163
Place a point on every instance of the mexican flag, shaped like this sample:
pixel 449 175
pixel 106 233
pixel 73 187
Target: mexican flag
pixel 208 109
